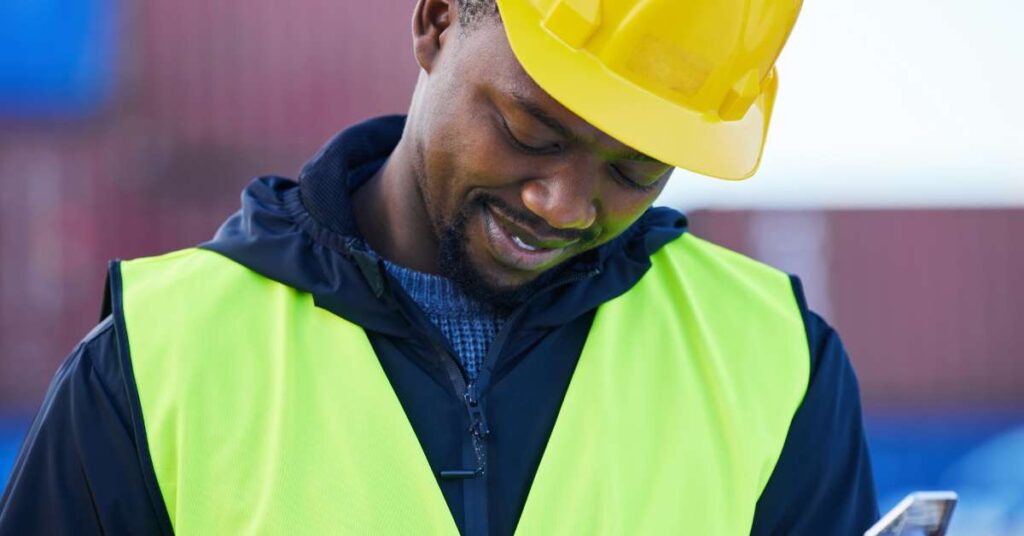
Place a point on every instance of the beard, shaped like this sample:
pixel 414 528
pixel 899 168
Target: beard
pixel 456 264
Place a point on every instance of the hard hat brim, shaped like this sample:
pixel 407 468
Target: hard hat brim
pixel 633 115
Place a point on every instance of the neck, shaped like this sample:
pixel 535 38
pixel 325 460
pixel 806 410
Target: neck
pixel 391 214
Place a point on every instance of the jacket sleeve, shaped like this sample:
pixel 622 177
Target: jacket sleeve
pixel 822 483
pixel 80 470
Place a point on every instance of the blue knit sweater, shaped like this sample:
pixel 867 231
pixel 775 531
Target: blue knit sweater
pixel 469 326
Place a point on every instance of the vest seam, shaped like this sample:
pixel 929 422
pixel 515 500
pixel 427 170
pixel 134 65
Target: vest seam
pixel 140 437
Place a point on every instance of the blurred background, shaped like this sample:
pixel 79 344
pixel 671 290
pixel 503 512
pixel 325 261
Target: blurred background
pixel 893 183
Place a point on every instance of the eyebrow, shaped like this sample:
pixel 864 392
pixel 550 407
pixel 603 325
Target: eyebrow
pixel 539 114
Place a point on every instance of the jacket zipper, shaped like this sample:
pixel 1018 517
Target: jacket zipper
pixel 471 393
pixel 475 457
pixel 475 487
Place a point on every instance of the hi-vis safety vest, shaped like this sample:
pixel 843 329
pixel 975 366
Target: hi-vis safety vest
pixel 265 414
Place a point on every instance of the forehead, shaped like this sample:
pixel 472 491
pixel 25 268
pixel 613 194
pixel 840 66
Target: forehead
pixel 491 66
pixel 487 58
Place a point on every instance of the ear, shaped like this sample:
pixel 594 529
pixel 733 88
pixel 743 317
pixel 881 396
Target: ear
pixel 431 21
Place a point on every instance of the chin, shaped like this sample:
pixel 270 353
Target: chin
pixel 503 279
pixel 488 282
pixel 472 256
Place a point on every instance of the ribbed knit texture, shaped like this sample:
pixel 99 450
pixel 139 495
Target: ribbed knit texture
pixel 469 326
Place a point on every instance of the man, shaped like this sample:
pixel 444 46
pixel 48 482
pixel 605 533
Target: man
pixel 469 320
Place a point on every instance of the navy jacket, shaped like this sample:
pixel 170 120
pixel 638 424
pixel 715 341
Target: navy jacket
pixel 84 467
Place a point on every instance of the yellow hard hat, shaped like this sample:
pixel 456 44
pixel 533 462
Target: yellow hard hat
pixel 689 82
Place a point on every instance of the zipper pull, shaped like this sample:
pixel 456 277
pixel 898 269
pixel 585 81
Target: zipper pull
pixel 479 430
pixel 477 420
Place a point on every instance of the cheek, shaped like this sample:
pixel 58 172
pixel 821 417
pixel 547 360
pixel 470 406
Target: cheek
pixel 453 171
pixel 435 187
pixel 482 161
pixel 488 154
pixel 621 208
pixel 455 148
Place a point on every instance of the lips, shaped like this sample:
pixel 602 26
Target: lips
pixel 518 248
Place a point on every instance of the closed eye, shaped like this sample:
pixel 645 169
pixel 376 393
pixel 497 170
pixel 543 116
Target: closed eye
pixel 628 182
pixel 525 147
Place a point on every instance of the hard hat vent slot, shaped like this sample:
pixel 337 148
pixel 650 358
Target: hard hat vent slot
pixel 574 21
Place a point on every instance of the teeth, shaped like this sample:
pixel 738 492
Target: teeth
pixel 519 242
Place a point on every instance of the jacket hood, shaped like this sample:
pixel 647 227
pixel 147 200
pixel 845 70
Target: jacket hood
pixel 303 234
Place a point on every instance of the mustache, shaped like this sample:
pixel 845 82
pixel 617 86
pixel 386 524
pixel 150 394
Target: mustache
pixel 535 223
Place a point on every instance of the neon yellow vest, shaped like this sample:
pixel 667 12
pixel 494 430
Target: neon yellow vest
pixel 267 415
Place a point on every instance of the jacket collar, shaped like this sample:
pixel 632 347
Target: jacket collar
pixel 342 166
pixel 304 235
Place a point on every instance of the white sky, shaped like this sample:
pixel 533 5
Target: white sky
pixel 887 103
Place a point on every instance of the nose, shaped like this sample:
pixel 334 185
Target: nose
pixel 564 200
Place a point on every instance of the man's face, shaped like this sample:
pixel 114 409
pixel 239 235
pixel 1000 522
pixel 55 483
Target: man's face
pixel 513 182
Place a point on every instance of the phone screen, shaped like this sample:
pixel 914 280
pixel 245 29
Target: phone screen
pixel 925 513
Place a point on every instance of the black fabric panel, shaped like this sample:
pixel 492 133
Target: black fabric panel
pixel 522 408
pixel 822 483
pixel 78 470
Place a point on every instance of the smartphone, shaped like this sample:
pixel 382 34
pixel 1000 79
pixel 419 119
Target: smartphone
pixel 923 513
